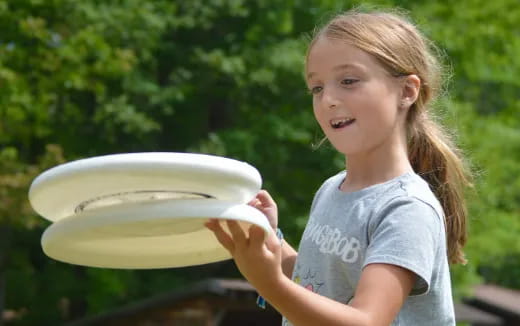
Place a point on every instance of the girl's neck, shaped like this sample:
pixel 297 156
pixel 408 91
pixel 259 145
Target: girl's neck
pixel 368 169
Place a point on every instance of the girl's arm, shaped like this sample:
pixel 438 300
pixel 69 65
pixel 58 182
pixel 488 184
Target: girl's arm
pixel 288 258
pixel 381 292
pixel 379 296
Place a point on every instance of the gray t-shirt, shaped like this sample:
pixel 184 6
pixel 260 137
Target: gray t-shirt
pixel 398 222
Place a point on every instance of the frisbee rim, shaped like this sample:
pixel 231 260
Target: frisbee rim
pixel 61 239
pixel 57 192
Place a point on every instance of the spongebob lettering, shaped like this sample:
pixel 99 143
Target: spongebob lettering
pixel 330 241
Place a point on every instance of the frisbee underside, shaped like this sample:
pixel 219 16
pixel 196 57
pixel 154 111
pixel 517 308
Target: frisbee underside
pixel 159 234
pixel 71 188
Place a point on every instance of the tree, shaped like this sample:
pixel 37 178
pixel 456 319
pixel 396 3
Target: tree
pixel 15 212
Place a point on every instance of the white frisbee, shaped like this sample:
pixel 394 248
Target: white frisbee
pixel 159 234
pixel 118 179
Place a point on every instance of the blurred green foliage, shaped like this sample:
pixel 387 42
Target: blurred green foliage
pixel 224 77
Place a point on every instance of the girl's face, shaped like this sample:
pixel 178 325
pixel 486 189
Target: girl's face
pixel 356 101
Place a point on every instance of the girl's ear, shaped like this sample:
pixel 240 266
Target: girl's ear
pixel 410 91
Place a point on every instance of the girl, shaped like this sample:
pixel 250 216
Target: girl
pixel 380 235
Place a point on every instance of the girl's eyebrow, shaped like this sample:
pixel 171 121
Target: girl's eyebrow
pixel 345 66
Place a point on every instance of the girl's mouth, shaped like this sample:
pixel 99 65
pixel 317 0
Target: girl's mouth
pixel 340 123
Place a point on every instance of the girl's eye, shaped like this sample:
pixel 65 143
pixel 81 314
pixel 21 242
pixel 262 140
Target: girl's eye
pixel 348 81
pixel 315 90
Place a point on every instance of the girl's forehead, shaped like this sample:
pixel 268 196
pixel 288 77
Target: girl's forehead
pixel 328 55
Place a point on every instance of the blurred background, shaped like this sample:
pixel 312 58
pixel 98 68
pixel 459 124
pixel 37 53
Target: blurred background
pixel 225 77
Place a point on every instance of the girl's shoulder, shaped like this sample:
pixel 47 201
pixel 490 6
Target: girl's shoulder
pixel 412 191
pixel 414 187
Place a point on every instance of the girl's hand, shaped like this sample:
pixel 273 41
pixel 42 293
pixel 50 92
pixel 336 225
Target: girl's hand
pixel 265 203
pixel 258 260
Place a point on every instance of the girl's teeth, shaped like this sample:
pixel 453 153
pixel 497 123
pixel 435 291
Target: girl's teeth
pixel 341 122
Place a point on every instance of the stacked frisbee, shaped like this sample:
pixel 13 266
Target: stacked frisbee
pixel 143 210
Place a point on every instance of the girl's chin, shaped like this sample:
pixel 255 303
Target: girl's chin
pixel 346 150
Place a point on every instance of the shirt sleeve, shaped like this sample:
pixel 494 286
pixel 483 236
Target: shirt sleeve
pixel 406 232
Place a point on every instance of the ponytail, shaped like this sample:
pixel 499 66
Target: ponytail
pixel 434 157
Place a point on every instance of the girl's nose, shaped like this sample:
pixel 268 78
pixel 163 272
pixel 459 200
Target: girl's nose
pixel 330 99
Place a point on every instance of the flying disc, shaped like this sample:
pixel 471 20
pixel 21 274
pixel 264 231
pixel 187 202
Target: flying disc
pixel 158 234
pixel 118 179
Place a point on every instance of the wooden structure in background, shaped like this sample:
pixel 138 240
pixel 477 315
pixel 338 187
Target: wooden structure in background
pixel 498 301
pixel 217 302
pixel 213 302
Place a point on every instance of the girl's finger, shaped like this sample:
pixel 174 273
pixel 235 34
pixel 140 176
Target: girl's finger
pixel 223 238
pixel 272 242
pixel 265 198
pixel 256 236
pixel 254 202
pixel 236 232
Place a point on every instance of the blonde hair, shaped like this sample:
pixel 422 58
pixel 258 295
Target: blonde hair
pixel 402 50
